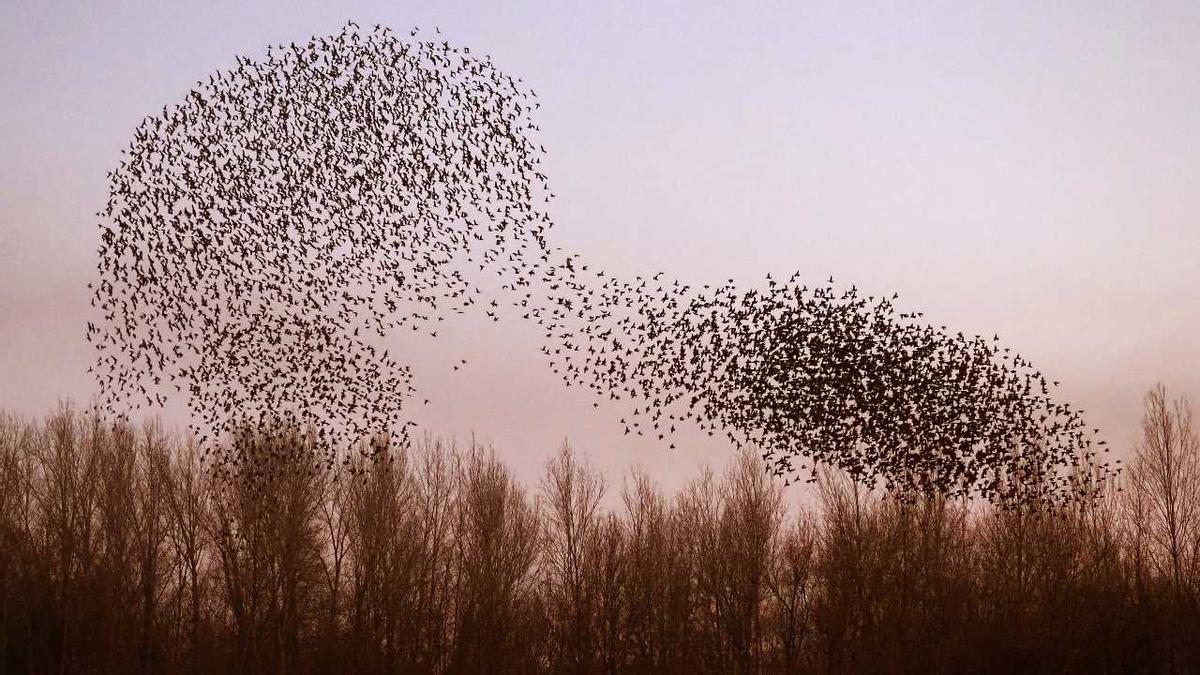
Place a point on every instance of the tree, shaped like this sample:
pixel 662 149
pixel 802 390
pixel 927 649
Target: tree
pixel 1166 475
pixel 571 549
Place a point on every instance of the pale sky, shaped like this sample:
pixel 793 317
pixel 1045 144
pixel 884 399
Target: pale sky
pixel 1015 168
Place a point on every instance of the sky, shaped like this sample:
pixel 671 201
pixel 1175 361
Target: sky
pixel 1027 169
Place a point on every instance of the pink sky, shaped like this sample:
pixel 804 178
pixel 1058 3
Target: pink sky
pixel 1017 169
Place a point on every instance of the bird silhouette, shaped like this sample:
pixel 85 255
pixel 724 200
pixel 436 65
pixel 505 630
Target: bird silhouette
pixel 259 233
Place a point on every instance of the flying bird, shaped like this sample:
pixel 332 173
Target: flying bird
pixel 261 230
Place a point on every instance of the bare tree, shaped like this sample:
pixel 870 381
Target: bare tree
pixel 187 511
pixel 497 546
pixel 747 532
pixel 124 551
pixel 792 583
pixel 572 491
pixel 654 563
pixel 1165 473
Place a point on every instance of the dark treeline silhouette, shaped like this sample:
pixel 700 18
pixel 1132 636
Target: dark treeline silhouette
pixel 122 551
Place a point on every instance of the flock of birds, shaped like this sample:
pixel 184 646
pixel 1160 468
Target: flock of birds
pixel 266 235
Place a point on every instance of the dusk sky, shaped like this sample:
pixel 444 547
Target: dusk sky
pixel 1014 168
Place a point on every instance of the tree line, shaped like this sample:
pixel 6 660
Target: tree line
pixel 122 550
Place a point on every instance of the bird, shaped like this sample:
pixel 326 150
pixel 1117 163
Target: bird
pixel 359 180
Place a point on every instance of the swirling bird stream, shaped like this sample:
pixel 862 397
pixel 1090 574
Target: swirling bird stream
pixel 265 233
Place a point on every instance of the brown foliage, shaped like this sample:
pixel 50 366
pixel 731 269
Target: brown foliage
pixel 122 551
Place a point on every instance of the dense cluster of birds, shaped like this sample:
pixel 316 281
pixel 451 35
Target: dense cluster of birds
pixel 264 237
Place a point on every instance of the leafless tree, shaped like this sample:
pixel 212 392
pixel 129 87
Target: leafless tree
pixel 1165 475
pixel 122 549
pixel 571 558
